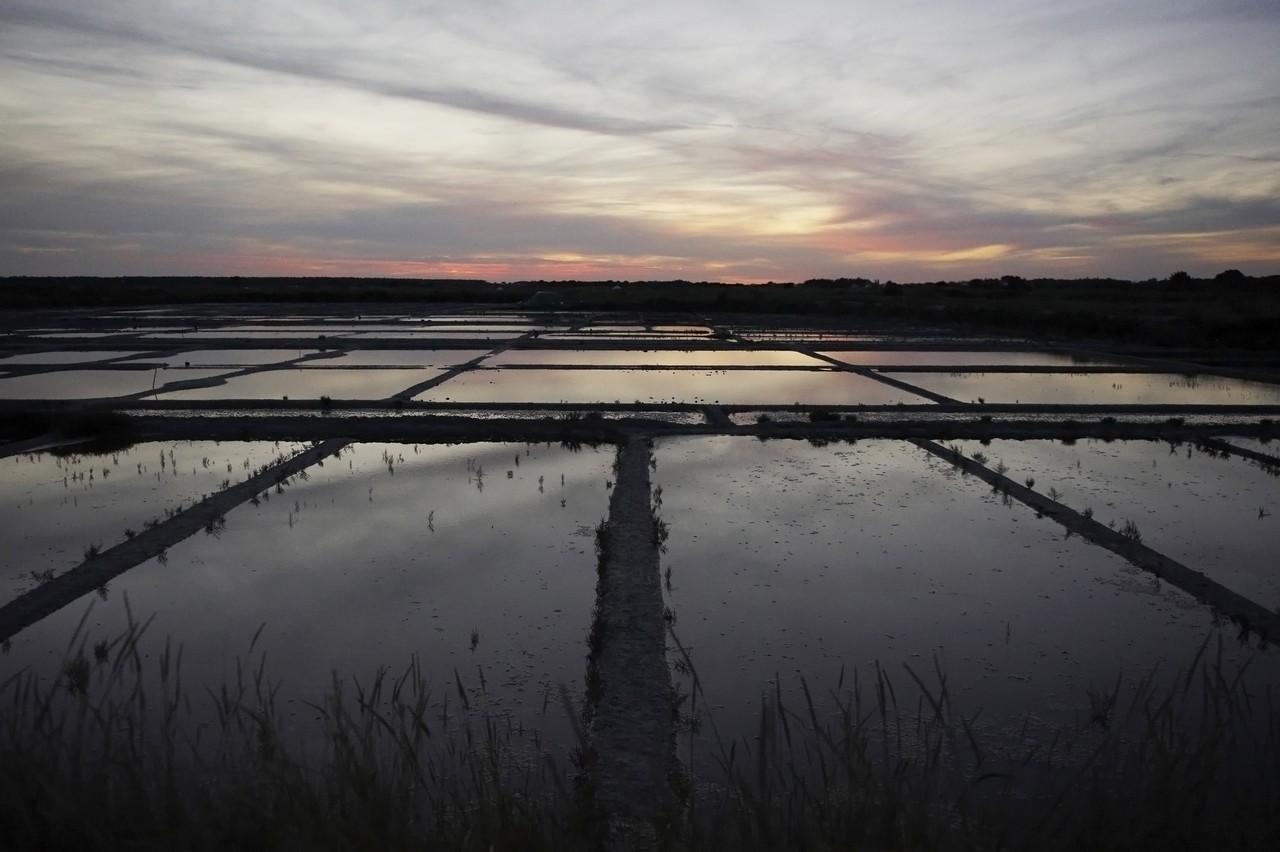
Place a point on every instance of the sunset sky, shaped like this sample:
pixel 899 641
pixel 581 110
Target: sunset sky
pixel 730 140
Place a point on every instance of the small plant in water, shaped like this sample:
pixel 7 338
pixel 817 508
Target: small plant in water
pixel 1054 493
pixel 92 551
pixel 1130 531
pixel 1088 512
pixel 1102 704
pixel 76 672
pixel 42 576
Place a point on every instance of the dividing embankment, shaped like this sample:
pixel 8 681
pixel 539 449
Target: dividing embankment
pixel 632 730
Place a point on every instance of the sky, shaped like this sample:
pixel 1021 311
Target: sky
pixel 721 140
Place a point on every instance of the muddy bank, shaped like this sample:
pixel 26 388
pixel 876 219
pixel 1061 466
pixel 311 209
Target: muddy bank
pixel 632 727
pixel 610 423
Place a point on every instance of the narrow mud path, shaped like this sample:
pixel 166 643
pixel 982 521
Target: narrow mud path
pixel 879 377
pixel 47 598
pixel 632 728
pixel 1249 615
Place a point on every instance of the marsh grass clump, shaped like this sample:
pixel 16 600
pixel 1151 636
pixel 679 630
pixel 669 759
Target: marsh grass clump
pixel 110 756
pixel 1184 762
pixel 114 753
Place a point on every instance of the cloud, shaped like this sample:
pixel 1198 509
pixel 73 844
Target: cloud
pixel 325 67
pixel 728 138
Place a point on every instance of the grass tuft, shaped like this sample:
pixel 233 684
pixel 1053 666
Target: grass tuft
pixel 110 756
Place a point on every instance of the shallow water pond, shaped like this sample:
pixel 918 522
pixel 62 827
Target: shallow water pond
pixel 312 383
pixel 818 335
pixel 478 559
pixel 96 384
pixel 791 561
pixel 52 508
pixel 427 334
pixel 1094 388
pixel 653 358
pixel 943 358
pixel 227 357
pixel 730 387
pixel 232 334
pixel 484 316
pixel 625 329
pixel 401 358
pixel 1219 516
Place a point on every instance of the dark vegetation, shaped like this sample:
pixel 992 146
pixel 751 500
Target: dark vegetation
pixel 1230 309
pixel 109 755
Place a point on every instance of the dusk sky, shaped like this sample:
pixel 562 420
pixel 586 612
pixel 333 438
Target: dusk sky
pixel 735 141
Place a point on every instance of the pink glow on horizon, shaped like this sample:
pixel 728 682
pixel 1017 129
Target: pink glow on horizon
pixel 486 269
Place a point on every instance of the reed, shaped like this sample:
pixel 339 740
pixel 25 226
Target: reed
pixel 109 754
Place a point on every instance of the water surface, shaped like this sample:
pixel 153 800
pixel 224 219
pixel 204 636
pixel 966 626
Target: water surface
pixel 1219 516
pixel 481 567
pixel 737 387
pixel 1094 388
pixel 791 561
pixel 96 384
pixel 654 358
pixel 312 383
